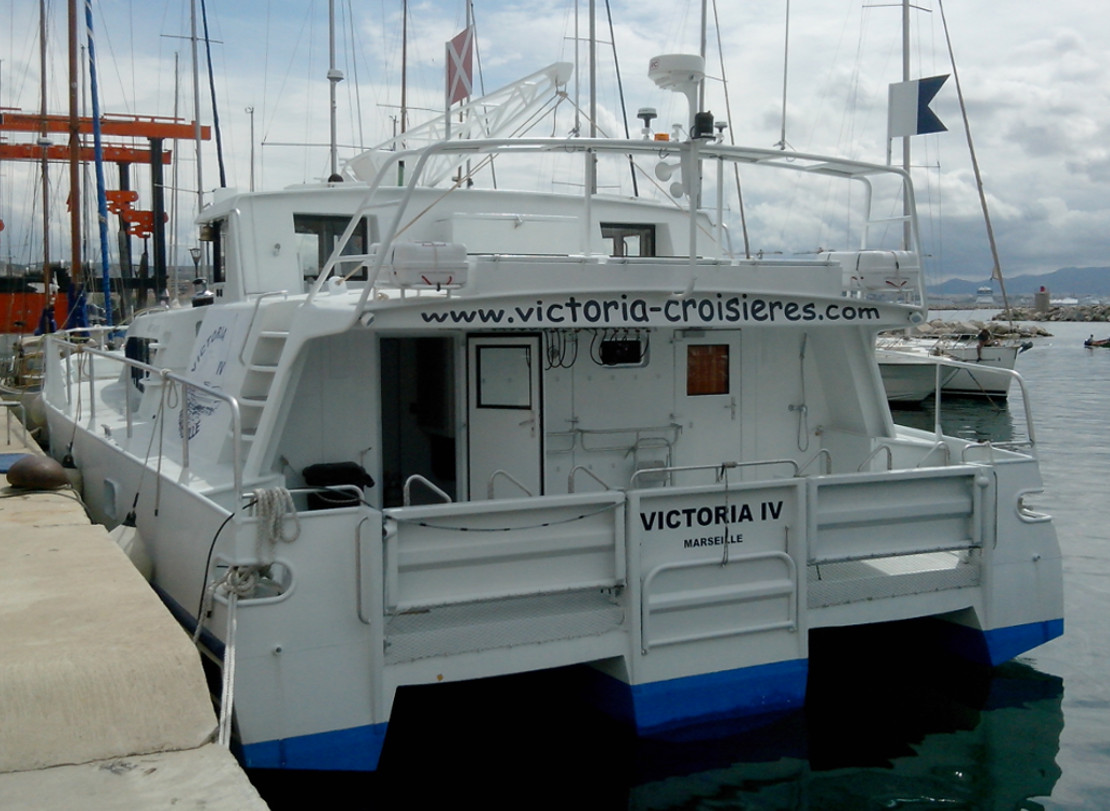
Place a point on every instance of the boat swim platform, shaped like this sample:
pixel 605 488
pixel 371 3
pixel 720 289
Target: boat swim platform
pixel 103 701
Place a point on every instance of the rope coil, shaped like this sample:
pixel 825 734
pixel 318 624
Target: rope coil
pixel 274 509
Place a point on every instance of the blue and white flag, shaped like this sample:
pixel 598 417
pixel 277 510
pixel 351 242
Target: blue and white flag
pixel 909 107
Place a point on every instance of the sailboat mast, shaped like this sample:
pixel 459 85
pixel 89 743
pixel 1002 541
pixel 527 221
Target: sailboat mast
pixel 76 272
pixel 591 162
pixel 334 77
pixel 196 120
pixel 996 271
pixel 702 50
pixel 44 142
pixel 785 74
pixel 404 65
pixel 907 236
pixel 101 197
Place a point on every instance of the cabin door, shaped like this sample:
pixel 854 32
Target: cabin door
pixel 504 416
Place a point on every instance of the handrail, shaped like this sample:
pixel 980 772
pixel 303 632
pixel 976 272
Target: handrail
pixel 722 467
pixel 505 474
pixel 642 432
pixel 254 314
pixel 586 470
pixel 870 456
pixel 826 454
pixel 354 490
pixel 941 445
pixel 416 478
pixel 974 542
pixel 1027 406
pixel 977 446
pixel 415 161
pixel 188 385
pixel 9 406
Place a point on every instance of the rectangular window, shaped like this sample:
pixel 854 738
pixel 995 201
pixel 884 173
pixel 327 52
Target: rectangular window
pixel 213 232
pixel 706 369
pixel 317 236
pixel 504 377
pixel 629 239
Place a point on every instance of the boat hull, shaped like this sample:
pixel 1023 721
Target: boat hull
pixel 909 379
pixel 904 378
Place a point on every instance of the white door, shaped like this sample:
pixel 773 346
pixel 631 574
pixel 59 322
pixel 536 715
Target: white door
pixel 504 416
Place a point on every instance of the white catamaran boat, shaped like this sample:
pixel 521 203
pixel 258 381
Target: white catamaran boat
pixel 501 431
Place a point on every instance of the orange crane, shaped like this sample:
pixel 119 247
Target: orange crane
pixel 154 129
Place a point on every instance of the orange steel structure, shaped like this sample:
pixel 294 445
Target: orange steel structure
pixel 139 223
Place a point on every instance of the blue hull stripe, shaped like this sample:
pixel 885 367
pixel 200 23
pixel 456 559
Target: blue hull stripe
pixel 749 691
pixel 1004 644
pixel 993 647
pixel 343 750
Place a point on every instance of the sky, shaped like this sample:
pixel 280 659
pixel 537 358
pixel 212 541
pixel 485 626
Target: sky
pixel 1035 76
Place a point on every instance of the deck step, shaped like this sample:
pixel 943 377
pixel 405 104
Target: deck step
pixel 899 576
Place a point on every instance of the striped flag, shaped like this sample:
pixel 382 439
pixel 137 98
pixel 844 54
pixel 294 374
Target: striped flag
pixel 909 107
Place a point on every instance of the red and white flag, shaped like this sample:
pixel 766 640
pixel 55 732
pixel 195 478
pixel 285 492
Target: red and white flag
pixel 460 72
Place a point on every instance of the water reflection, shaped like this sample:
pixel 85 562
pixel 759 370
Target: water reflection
pixel 882 729
pixel 973 419
pixel 885 726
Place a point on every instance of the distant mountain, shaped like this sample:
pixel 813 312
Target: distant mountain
pixel 1077 282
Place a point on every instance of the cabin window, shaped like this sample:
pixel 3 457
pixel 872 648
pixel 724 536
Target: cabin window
pixel 629 239
pixel 706 369
pixel 504 377
pixel 214 232
pixel 317 236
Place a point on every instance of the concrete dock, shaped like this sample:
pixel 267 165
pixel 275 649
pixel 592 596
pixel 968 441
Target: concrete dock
pixel 103 702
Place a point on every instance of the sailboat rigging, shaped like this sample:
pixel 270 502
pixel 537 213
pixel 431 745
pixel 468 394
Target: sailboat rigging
pixel 910 100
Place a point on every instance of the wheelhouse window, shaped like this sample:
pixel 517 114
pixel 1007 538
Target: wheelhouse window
pixel 629 239
pixel 707 369
pixel 317 236
pixel 213 232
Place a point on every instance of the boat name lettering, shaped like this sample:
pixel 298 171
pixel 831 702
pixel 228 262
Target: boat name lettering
pixel 712 540
pixel 688 517
pixel 717 309
pixel 218 334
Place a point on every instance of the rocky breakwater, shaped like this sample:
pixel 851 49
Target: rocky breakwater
pixel 1084 312
pixel 969 330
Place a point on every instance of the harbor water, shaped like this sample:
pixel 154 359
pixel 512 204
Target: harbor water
pixel 885 725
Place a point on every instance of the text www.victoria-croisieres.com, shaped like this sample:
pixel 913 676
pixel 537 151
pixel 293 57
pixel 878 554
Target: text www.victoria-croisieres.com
pixel 717 309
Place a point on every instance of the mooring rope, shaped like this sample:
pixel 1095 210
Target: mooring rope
pixel 274 507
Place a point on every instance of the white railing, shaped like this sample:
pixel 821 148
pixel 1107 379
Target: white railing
pixel 1027 406
pixel 448 554
pixel 727 600
pixel 85 368
pixel 479 152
